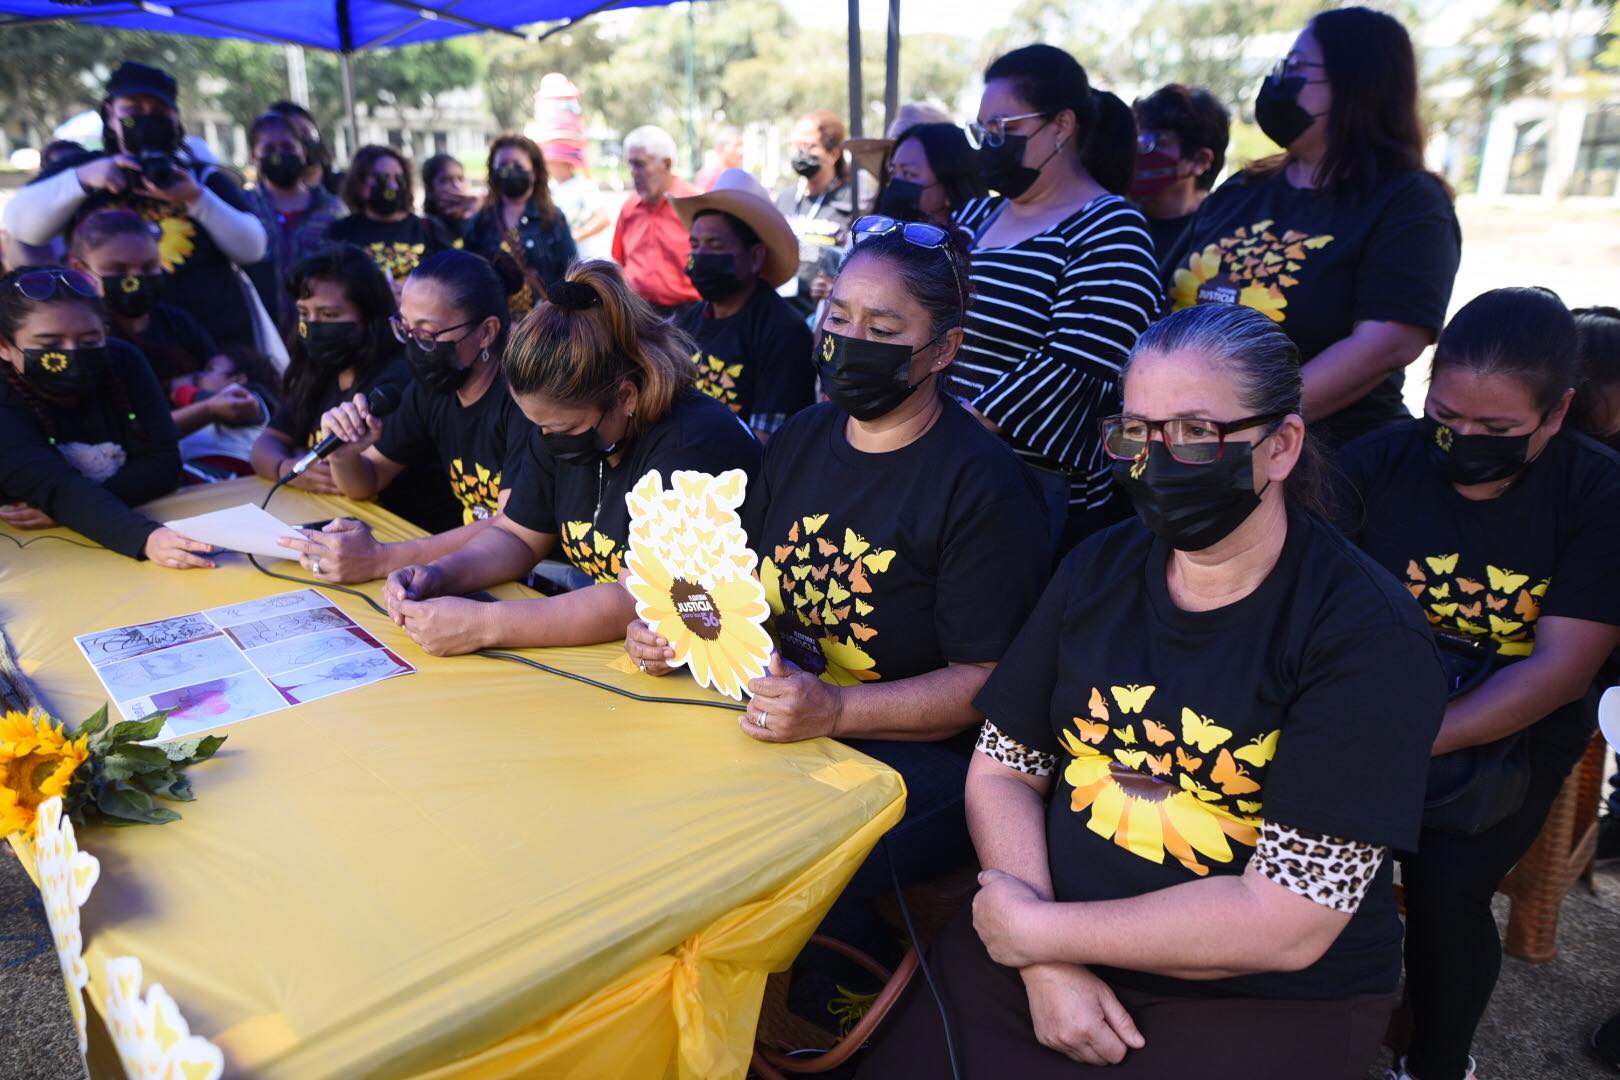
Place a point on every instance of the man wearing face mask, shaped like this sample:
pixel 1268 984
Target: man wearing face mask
pixel 206 226
pixel 381 195
pixel 1345 239
pixel 818 203
pixel 1181 147
pixel 752 346
pixel 295 214
pixel 318 169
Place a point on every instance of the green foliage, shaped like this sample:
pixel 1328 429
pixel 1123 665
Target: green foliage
pixel 122 780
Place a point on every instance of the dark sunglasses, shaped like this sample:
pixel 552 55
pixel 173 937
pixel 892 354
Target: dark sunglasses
pixel 919 233
pixel 41 285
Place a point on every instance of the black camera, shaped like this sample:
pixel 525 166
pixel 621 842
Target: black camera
pixel 153 141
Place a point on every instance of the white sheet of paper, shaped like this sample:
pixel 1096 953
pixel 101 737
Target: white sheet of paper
pixel 240 528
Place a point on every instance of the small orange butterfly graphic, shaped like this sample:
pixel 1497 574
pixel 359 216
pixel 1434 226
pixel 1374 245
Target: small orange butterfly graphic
pixel 1233 778
pixel 1187 761
pixel 1093 733
pixel 1157 733
pixel 1159 764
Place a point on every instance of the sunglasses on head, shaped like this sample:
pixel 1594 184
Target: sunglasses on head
pixel 41 285
pixel 918 233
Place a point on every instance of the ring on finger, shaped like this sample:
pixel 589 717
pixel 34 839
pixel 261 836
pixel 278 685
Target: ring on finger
pixel 642 664
pixel 315 566
pixel 763 720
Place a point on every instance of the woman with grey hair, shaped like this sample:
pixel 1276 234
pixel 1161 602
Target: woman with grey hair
pixel 1196 758
pixel 650 240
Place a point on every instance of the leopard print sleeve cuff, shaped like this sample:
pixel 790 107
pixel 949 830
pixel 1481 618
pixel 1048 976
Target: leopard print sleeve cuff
pixel 1323 869
pixel 1000 747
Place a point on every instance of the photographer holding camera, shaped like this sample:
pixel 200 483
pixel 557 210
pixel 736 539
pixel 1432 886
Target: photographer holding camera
pixel 202 221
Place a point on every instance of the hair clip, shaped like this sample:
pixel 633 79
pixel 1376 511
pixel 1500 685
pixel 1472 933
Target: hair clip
pixel 572 295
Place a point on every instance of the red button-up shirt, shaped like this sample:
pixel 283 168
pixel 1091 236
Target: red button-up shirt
pixel 652 245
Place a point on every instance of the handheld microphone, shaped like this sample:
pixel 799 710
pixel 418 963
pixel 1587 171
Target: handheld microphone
pixel 382 400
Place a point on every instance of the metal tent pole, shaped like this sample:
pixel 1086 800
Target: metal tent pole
pixel 856 97
pixel 345 29
pixel 891 69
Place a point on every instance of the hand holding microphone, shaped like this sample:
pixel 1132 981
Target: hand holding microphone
pixel 347 423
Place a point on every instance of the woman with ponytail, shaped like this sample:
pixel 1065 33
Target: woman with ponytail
pixel 1064 278
pixel 608 386
pixel 85 431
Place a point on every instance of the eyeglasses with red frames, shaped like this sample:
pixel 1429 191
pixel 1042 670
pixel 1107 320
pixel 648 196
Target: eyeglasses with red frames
pixel 1190 440
pixel 425 340
pixel 41 285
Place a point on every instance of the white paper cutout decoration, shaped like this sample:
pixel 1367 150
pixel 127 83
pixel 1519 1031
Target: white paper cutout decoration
pixel 66 876
pixel 692 576
pixel 153 1039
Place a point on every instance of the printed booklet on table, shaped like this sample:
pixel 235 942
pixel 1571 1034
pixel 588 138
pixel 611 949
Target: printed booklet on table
pixel 236 662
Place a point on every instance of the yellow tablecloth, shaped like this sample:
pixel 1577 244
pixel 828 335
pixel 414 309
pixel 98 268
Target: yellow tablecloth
pixel 477 870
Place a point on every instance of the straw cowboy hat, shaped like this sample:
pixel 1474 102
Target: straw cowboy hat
pixel 737 193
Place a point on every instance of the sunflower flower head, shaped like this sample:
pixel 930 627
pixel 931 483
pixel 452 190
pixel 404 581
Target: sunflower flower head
pixel 37 761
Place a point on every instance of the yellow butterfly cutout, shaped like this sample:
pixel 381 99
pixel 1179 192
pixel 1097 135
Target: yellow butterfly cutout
pixel 837 592
pixel 1441 591
pixel 814 522
pixel 1157 733
pixel 1541 590
pixel 802 552
pixel 862 607
pixel 1201 731
pixel 801 571
pixel 879 561
pixel 1469 628
pixel 1503 626
pixel 1444 610
pixel 854 545
pixel 1132 698
pixel 1131 759
pixel 1442 564
pixel 1126 735
pixel 1317 243
pixel 1248 807
pixel 1189 784
pixel 578 529
pixel 1260 751
pixel 1505 581
pixel 816 595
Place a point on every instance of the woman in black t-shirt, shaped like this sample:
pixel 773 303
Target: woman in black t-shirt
pixel 1506 530
pixel 888 622
pixel 381 197
pixel 606 385
pixel 1196 758
pixel 342 347
pixel 456 418
pixel 85 432
pixel 1344 239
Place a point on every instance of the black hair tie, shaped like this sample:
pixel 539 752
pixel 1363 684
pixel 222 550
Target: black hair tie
pixel 572 295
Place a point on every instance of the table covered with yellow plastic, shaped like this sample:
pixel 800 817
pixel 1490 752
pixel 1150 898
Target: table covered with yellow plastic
pixel 476 870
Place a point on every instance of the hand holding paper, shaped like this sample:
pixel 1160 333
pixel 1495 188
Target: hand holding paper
pixel 244 528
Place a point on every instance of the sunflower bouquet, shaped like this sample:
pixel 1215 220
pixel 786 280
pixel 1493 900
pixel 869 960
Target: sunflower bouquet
pixel 100 771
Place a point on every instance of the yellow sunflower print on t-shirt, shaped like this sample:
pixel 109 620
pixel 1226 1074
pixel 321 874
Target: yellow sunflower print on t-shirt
pixel 591 551
pixel 1159 786
pixel 1254 266
pixel 477 489
pixel 1500 605
pixel 717 378
pixel 827 585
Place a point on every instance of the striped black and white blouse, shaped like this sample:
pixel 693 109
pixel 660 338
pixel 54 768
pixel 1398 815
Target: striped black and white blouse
pixel 1052 320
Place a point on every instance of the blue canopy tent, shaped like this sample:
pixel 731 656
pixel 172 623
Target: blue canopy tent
pixel 350 26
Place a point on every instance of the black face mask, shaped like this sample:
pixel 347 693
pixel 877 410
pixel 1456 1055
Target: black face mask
pixel 1191 507
pixel 149 133
pixel 129 296
pixel 281 169
pixel 581 448
pixel 64 374
pixel 713 275
pixel 329 345
pixel 806 163
pixel 866 379
pixel 1278 112
pixel 439 370
pixel 514 182
pixel 902 199
pixel 1475 459
pixel 385 200
pixel 1002 167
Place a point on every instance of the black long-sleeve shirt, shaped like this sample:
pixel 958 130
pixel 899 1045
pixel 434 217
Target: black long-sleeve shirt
pixel 33 470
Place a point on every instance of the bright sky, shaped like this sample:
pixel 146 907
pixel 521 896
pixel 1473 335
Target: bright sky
pixel 968 18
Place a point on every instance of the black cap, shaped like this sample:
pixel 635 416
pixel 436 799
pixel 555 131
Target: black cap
pixel 132 78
